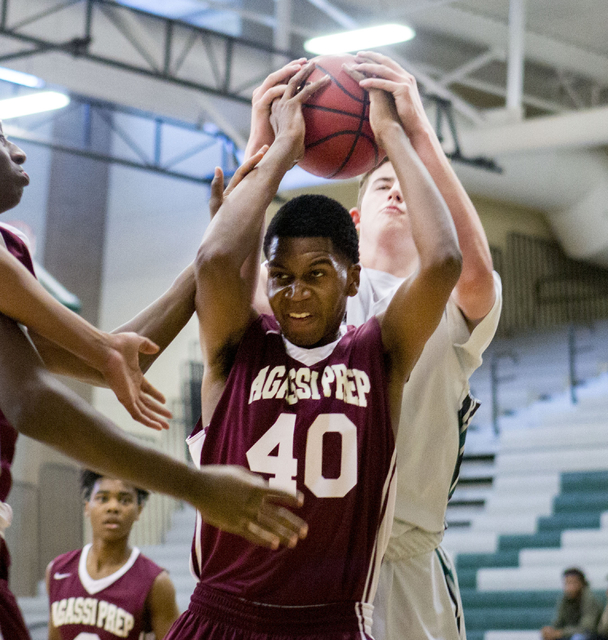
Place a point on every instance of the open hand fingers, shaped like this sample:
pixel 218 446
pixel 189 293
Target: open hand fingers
pixel 272 94
pixel 288 522
pixel 310 89
pixel 217 192
pixel 287 537
pixel 149 418
pixel 140 416
pixel 378 83
pixel 353 72
pixel 157 407
pixel 298 80
pixel 257 534
pixel 369 70
pixel 281 75
pixel 245 169
pixel 273 526
pixel 379 58
pixel 147 346
pixel 152 391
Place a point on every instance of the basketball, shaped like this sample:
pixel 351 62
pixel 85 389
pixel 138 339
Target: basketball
pixel 339 139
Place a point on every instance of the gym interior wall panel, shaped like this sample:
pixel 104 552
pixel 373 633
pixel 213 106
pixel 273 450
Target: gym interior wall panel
pixel 154 228
pixel 22 538
pixel 60 507
pixel 76 218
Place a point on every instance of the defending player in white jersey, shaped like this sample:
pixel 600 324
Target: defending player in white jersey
pixel 418 596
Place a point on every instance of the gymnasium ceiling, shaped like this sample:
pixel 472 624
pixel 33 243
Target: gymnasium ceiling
pixel 460 50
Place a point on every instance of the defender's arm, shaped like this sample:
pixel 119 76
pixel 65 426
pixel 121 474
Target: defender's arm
pixel 230 498
pixel 416 308
pixel 474 293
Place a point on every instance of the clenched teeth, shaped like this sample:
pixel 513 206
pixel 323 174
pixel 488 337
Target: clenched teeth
pixel 299 315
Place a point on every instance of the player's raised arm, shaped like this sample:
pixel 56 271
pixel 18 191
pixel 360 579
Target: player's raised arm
pixel 418 304
pixel 474 293
pixel 230 498
pixel 224 299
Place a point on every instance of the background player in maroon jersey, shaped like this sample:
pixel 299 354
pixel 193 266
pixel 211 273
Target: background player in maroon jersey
pixel 36 404
pixel 301 402
pixel 108 575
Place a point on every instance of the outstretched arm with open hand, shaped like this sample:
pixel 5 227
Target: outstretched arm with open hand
pixel 100 357
pixel 230 498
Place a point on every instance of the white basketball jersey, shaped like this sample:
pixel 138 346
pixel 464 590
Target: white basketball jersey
pixel 436 404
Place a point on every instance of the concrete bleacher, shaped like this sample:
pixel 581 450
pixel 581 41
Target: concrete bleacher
pixel 546 506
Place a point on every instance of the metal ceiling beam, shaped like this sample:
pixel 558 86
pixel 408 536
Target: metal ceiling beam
pixel 489 32
pixel 500 91
pixel 337 15
pixel 137 157
pixel 432 86
pixel 146 44
pixel 469 67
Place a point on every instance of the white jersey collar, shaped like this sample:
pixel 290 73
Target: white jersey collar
pixel 310 357
pixel 95 586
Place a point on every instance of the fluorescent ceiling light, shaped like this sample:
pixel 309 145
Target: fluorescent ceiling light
pixel 360 39
pixel 18 77
pixel 32 103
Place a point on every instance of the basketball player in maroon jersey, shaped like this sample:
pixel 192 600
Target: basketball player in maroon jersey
pixel 109 589
pixel 34 403
pixel 301 401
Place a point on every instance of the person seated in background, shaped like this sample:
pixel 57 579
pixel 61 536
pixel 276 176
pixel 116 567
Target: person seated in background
pixel 602 626
pixel 578 610
pixel 109 585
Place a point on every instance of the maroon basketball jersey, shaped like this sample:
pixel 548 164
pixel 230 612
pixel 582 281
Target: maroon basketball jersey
pixel 8 436
pixel 322 427
pixel 104 609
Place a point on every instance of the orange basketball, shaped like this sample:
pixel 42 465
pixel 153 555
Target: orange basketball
pixel 339 139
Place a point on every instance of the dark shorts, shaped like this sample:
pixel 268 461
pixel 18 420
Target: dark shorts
pixel 214 615
pixel 12 625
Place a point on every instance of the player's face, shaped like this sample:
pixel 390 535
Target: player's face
pixel 308 284
pixel 112 509
pixel 382 204
pixel 572 586
pixel 13 178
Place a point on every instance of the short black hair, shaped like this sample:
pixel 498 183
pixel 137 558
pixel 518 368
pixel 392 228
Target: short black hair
pixel 315 216
pixel 575 571
pixel 88 479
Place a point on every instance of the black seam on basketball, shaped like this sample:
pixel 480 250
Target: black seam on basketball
pixel 319 107
pixel 341 86
pixel 357 136
pixel 339 133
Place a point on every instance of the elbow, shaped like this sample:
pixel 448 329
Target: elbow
pixel 449 267
pixel 27 407
pixel 211 261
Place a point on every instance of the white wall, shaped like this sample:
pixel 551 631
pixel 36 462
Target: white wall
pixel 154 226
